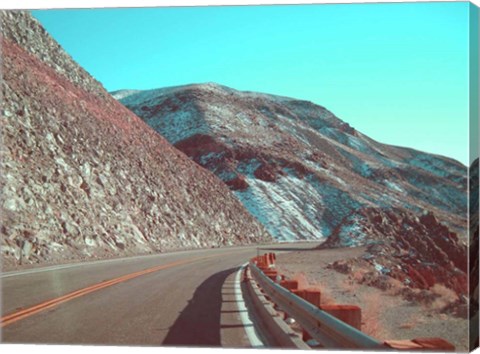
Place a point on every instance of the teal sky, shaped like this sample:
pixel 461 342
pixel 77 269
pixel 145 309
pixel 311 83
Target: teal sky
pixel 396 72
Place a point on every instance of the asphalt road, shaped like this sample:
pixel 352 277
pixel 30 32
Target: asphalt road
pixel 187 298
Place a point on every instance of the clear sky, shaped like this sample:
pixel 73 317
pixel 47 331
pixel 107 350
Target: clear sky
pixel 396 72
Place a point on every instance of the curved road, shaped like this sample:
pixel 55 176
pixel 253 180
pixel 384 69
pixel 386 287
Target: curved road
pixel 184 298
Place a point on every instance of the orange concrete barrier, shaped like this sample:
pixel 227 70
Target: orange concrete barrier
pixel 268 260
pixel 265 261
pixel 272 274
pixel 270 271
pixel 349 314
pixel 312 295
pixel 289 284
pixel 272 258
pixel 298 292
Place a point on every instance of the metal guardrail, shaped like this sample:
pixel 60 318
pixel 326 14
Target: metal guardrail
pixel 323 327
pixel 275 332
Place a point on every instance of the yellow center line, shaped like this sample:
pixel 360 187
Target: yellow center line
pixel 16 316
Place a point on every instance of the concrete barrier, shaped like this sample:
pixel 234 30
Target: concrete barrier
pixel 271 273
pixel 312 295
pixel 289 284
pixel 349 314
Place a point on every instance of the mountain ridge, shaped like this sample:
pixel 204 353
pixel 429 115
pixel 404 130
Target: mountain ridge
pixel 306 174
pixel 207 119
pixel 123 94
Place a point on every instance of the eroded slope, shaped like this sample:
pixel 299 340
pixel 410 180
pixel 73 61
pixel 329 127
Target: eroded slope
pixel 84 177
pixel 296 166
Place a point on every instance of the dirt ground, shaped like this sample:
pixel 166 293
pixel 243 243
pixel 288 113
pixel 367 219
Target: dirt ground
pixel 384 314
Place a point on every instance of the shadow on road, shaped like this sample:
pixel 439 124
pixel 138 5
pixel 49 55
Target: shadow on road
pixel 199 322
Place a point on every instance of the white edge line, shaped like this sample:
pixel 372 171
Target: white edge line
pixel 248 325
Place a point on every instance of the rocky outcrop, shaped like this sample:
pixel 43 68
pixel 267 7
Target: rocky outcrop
pixel 296 167
pixel 419 251
pixel 83 177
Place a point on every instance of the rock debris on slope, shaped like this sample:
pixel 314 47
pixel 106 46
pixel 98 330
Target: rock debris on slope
pixel 83 177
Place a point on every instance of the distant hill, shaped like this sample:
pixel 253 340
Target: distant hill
pixel 296 166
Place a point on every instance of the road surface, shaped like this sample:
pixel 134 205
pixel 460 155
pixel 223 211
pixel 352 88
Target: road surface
pixel 187 298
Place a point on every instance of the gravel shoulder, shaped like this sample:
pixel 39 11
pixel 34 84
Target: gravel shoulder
pixel 385 315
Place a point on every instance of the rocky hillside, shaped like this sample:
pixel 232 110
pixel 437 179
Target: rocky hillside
pixel 474 246
pixel 83 177
pixel 418 251
pixel 296 166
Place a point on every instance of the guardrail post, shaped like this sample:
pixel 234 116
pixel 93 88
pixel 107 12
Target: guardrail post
pixel 349 314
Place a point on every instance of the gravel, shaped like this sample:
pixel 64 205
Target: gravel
pixel 384 314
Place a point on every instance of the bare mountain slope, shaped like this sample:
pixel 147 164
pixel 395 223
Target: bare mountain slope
pixel 305 174
pixel 84 177
pixel 296 166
